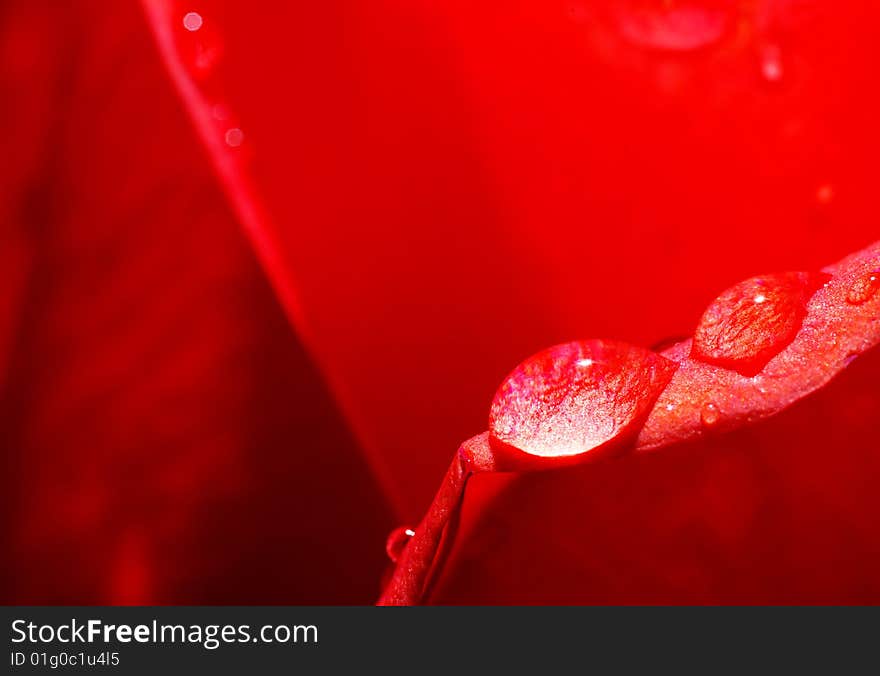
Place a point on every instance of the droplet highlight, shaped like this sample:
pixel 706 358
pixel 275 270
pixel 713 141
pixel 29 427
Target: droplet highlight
pixel 397 541
pixel 864 288
pixel 577 397
pixel 709 414
pixel 751 322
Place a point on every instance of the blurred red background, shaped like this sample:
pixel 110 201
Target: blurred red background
pixel 265 263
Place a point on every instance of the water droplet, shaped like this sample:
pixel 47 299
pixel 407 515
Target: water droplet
pixel 192 21
pixel 751 322
pixel 551 406
pixel 397 541
pixel 709 414
pixel 668 26
pixel 864 288
pixel 234 137
pixel 771 64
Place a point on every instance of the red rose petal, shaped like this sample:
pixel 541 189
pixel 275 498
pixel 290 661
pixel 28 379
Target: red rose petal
pixel 161 424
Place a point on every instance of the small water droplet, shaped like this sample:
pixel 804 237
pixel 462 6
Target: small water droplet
pixel 234 137
pixel 751 322
pixel 397 542
pixel 551 406
pixel 709 414
pixel 670 407
pixel 192 21
pixel 771 64
pixel 864 288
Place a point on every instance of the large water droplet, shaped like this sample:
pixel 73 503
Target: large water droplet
pixel 576 397
pixel 672 26
pixel 750 323
pixel 397 541
pixel 864 288
pixel 709 414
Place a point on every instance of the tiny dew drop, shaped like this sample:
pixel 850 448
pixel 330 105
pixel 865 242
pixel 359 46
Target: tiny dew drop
pixel 864 288
pixel 709 414
pixel 234 137
pixel 192 21
pixel 397 542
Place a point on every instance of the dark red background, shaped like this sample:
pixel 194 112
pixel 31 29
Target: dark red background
pixel 194 411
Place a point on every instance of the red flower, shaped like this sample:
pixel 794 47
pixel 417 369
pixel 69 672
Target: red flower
pixel 433 192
